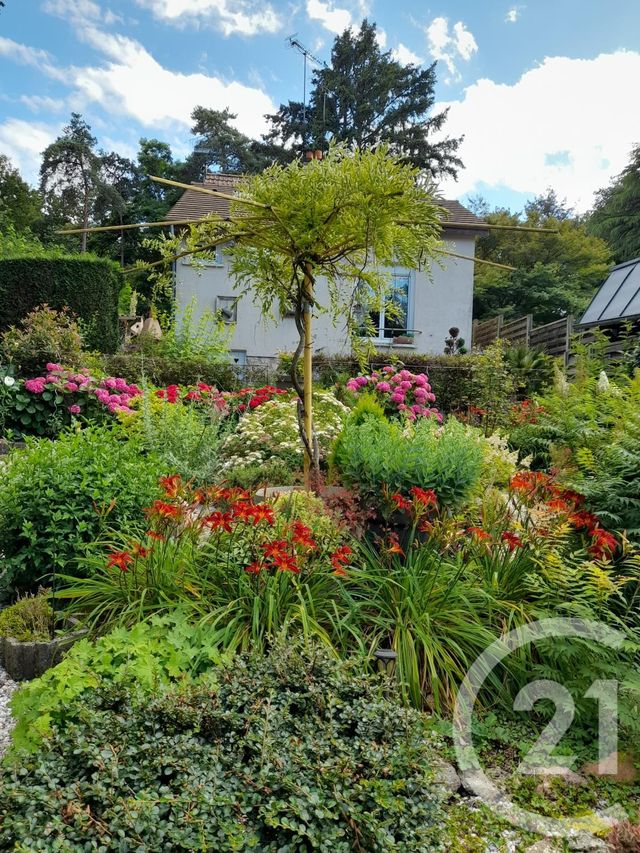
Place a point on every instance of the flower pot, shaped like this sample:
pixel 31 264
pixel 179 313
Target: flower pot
pixel 26 660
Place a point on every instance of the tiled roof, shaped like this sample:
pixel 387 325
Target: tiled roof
pixel 618 298
pixel 196 205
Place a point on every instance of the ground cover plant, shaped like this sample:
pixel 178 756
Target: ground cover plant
pixel 289 751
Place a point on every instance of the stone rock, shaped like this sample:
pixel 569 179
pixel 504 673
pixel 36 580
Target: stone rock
pixel 479 785
pixel 585 841
pixel 547 845
pixel 276 491
pixel 550 774
pixel 617 767
pixel 446 776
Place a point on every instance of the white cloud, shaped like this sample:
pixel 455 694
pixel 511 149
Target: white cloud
pixel 23 142
pixel 381 38
pixel 450 46
pixel 43 102
pixel 405 56
pixel 134 83
pixel 246 17
pixel 537 133
pixel 512 15
pixel 332 18
pixel 23 54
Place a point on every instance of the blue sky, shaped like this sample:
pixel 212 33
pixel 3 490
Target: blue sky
pixel 542 90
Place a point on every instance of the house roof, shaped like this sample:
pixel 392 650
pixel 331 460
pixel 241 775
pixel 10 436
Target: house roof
pixel 618 298
pixel 196 205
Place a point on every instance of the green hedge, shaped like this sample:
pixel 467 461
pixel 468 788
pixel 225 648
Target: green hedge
pixel 87 285
pixel 160 371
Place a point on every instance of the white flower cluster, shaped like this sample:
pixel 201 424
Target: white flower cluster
pixel 269 434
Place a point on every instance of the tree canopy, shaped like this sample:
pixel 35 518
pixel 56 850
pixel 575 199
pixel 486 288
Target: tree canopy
pixel 555 275
pixel 20 206
pixel 366 97
pixel 616 214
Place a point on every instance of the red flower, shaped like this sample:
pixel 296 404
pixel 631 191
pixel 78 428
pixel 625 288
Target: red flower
pixel 394 546
pixel 340 559
pixel 164 510
pixel 263 512
pixel 479 533
pixel 219 521
pixel 243 510
pixel 512 540
pixel 171 485
pixel 401 503
pixel 275 550
pixel 193 395
pixel 173 393
pixel 426 497
pixel 604 544
pixel 287 563
pixel 525 481
pixel 254 568
pixel 139 550
pixel 585 521
pixel 558 505
pixel 121 559
pixel 303 535
pixel 157 536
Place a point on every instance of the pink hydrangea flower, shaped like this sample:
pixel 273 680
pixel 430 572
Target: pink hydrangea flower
pixel 35 386
pixel 71 386
pixel 362 381
pixel 383 387
pixel 75 409
pixel 51 366
pixel 388 369
pixel 420 379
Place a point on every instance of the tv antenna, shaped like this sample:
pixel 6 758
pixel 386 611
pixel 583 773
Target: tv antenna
pixel 306 53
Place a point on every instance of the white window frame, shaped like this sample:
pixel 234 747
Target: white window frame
pixel 218 261
pixel 379 338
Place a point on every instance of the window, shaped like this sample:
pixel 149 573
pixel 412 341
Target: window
pixel 216 261
pixel 228 307
pixel 391 324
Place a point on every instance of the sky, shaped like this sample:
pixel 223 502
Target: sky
pixel 543 91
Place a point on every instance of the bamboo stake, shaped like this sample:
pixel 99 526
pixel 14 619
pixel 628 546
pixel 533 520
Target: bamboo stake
pixel 159 224
pixel 487 226
pixel 197 188
pixel 307 375
pixel 477 260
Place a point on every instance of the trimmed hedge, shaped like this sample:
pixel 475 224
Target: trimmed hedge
pixel 160 371
pixel 87 285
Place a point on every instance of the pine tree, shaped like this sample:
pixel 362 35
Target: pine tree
pixel 367 97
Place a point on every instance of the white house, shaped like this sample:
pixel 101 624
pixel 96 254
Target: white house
pixel 430 301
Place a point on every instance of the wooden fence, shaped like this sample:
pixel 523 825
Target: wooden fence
pixel 552 338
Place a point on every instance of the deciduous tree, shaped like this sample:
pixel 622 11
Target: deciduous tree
pixel 555 275
pixel 616 214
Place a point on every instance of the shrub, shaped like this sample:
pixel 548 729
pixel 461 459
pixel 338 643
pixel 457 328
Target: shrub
pixel 187 438
pixel 56 497
pixel 590 429
pixel 206 339
pixel 400 392
pixel 160 371
pixel 376 456
pixel 44 336
pixel 29 619
pixel 87 285
pixel 269 434
pixel 290 752
pixel 47 404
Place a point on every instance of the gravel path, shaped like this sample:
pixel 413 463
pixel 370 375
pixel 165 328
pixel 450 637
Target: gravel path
pixel 7 686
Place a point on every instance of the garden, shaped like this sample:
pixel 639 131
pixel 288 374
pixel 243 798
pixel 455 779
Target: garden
pixel 239 618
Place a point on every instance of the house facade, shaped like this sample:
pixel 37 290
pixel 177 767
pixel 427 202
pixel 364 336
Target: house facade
pixel 428 301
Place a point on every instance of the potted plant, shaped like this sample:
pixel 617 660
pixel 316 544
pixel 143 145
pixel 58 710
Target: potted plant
pixel 32 638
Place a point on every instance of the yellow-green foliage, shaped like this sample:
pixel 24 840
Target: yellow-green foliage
pixel 29 619
pixel 310 510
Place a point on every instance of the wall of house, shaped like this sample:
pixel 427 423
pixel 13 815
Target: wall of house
pixel 439 297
